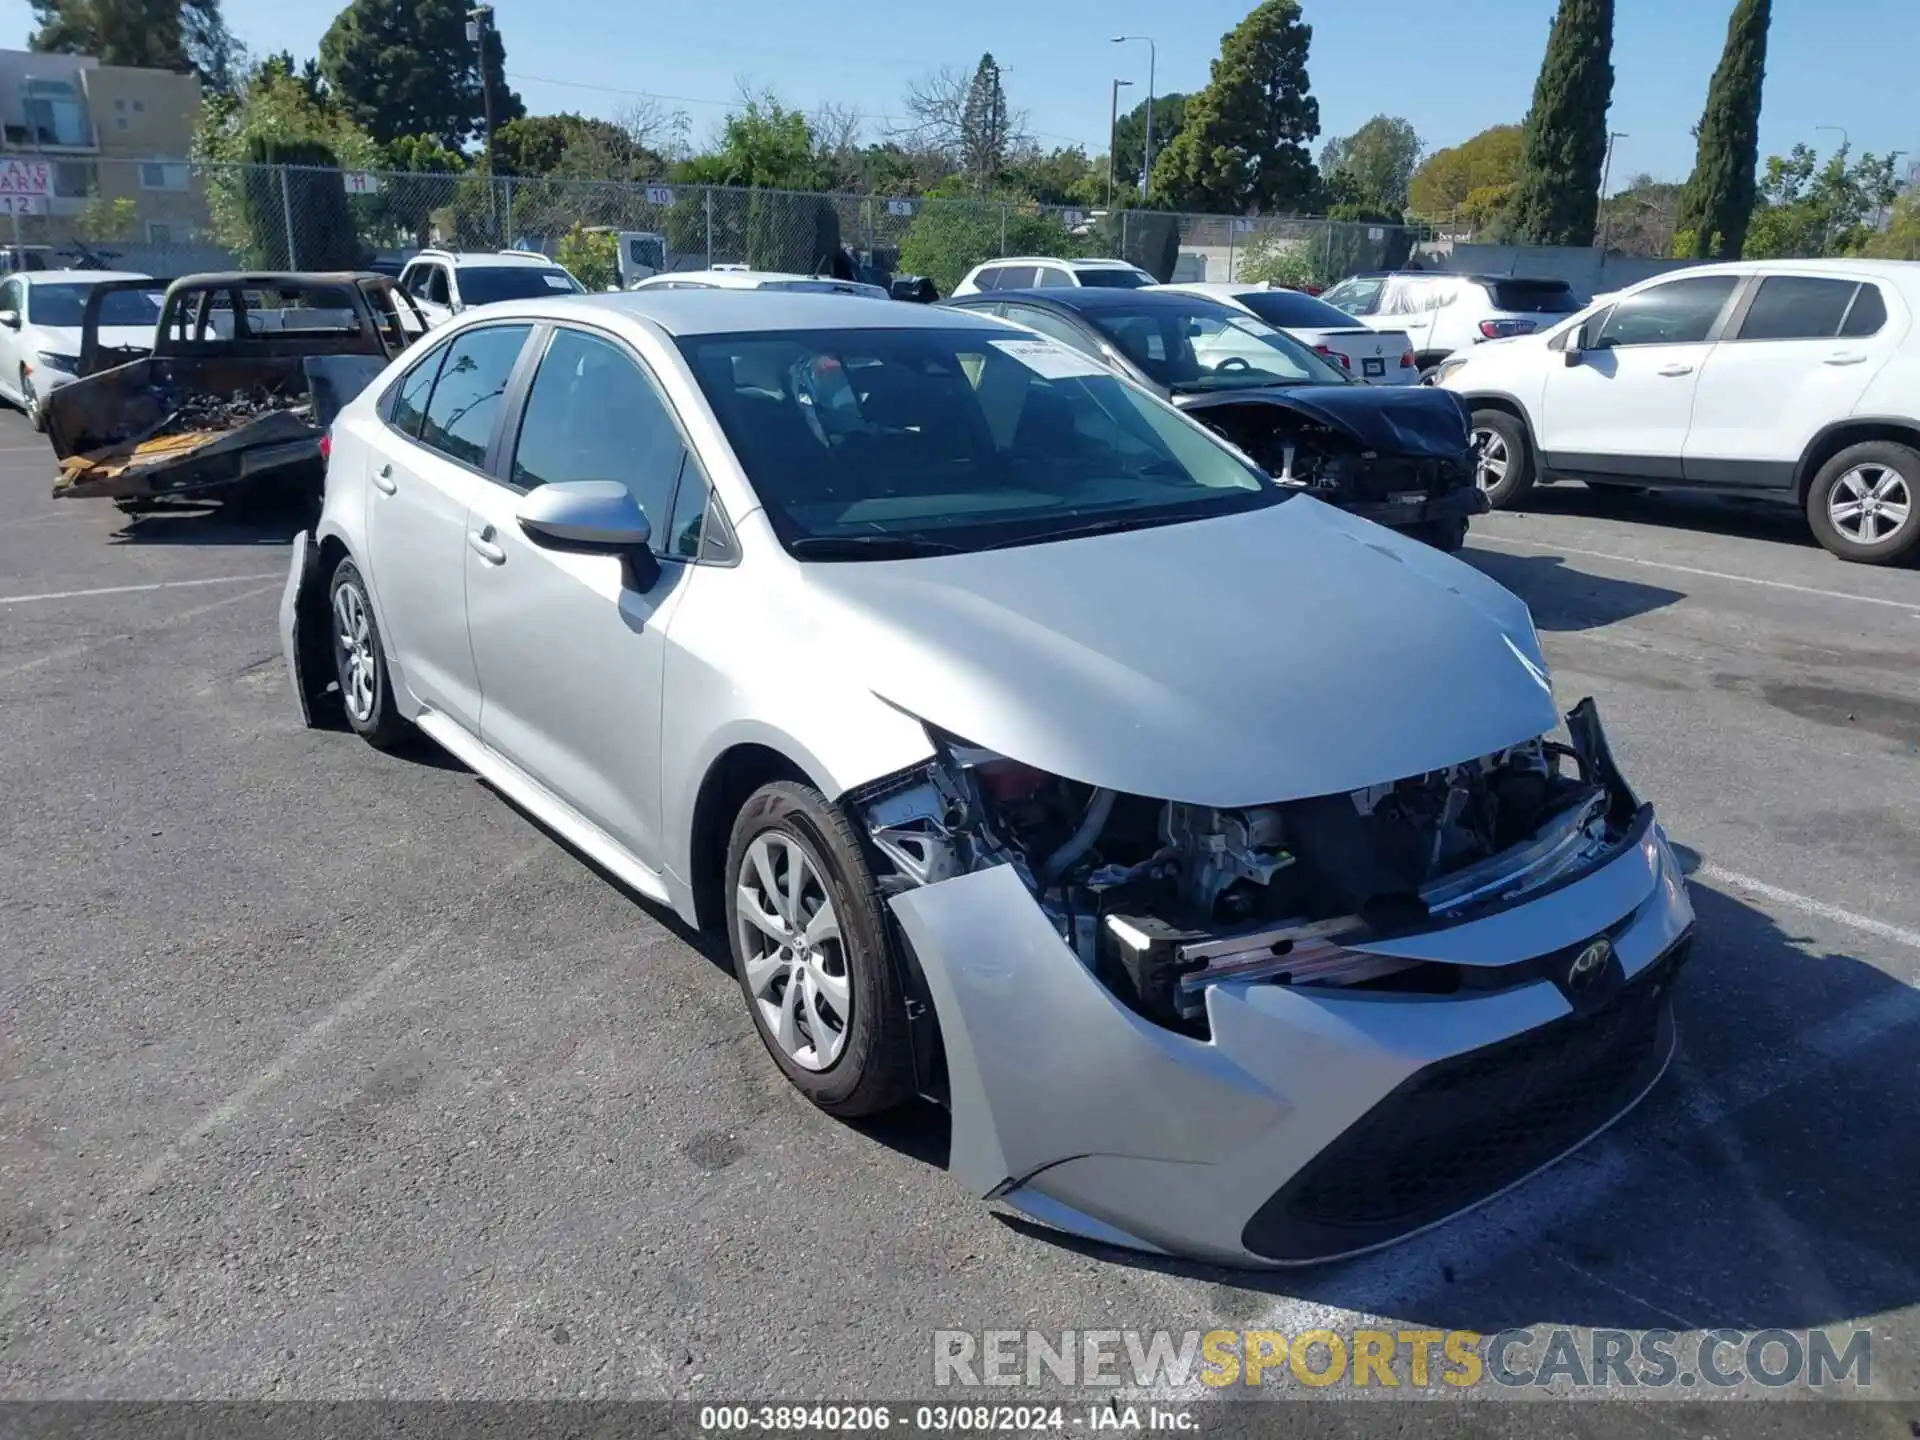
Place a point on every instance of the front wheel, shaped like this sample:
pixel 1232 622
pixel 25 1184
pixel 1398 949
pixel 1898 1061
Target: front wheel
pixel 30 404
pixel 1864 505
pixel 810 951
pixel 1503 460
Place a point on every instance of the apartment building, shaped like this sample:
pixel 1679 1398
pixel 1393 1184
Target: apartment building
pixel 108 133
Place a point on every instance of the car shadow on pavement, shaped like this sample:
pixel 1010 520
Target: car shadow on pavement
pixel 1563 598
pixel 1677 510
pixel 1767 1181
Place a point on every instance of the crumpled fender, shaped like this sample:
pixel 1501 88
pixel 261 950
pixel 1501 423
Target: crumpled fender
pixel 1412 421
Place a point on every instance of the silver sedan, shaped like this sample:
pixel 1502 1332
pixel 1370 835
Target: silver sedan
pixel 1220 860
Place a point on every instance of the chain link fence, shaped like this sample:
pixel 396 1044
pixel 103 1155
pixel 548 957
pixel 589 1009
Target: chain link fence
pixel 171 218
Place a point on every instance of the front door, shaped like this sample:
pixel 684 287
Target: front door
pixel 1624 406
pixel 13 296
pixel 570 655
pixel 418 496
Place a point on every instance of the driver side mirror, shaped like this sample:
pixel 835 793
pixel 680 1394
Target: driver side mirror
pixel 1576 343
pixel 10 319
pixel 592 517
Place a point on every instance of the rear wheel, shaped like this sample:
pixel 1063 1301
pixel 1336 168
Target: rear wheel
pixel 360 661
pixel 1503 460
pixel 809 948
pixel 1864 505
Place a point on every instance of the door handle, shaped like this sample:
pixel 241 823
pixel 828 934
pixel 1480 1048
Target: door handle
pixel 1847 357
pixel 383 480
pixel 1676 370
pixel 483 546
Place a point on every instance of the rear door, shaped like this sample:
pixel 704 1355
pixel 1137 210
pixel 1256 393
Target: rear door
pixel 570 656
pixel 440 437
pixel 1799 353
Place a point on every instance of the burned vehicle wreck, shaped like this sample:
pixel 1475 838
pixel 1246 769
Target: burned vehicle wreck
pixel 234 393
pixel 1221 861
pixel 1397 455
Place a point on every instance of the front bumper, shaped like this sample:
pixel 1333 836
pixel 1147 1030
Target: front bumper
pixel 1313 1124
pixel 1459 503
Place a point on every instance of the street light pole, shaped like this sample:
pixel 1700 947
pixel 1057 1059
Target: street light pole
pixel 1153 59
pixel 1113 135
pixel 1606 175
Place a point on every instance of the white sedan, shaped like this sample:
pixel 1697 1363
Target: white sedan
pixel 40 313
pixel 1382 357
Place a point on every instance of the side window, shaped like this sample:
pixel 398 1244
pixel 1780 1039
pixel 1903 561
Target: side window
pixel 466 396
pixel 1680 312
pixel 592 414
pixel 437 285
pixel 13 296
pixel 989 278
pixel 1798 307
pixel 410 401
pixel 1051 275
pixel 681 539
pixel 1055 328
pixel 1016 277
pixel 1867 314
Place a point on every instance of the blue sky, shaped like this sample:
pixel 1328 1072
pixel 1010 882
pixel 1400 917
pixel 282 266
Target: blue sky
pixel 1450 66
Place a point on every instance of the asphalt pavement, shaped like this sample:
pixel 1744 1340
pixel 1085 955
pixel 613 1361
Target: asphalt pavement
pixel 325 1073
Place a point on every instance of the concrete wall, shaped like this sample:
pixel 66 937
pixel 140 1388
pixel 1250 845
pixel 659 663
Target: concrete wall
pixel 1588 271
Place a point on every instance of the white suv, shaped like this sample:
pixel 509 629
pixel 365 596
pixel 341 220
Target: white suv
pixel 1035 272
pixel 445 282
pixel 1790 380
pixel 1443 314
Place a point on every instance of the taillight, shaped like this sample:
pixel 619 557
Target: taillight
pixel 1500 329
pixel 326 445
pixel 1407 362
pixel 1330 353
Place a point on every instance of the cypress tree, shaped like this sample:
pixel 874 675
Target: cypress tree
pixel 1558 198
pixel 1718 201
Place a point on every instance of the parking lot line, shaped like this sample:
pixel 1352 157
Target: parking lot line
pixel 70 651
pixel 1907 605
pixel 1819 908
pixel 133 589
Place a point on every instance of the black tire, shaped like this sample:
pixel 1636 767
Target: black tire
pixel 1517 484
pixel 376 719
pixel 1447 535
pixel 873 1070
pixel 1899 466
pixel 30 405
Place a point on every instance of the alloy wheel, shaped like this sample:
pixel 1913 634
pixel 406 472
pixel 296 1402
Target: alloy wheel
pixel 353 651
pixel 1870 503
pixel 1491 458
pixel 794 956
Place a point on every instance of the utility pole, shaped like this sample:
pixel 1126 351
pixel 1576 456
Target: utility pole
pixel 1153 56
pixel 1113 135
pixel 479 20
pixel 1606 174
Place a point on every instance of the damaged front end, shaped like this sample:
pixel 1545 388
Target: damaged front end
pixel 1401 458
pixel 1108 969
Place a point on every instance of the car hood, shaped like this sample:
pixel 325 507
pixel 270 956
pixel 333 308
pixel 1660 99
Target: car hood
pixel 1273 655
pixel 1411 421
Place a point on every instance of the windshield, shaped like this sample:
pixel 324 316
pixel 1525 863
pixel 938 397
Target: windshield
pixel 1113 279
pixel 1202 347
pixel 1533 297
pixel 1291 310
pixel 63 305
pixel 483 284
pixel 872 444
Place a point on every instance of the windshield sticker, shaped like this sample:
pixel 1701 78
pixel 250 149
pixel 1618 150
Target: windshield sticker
pixel 558 282
pixel 1050 359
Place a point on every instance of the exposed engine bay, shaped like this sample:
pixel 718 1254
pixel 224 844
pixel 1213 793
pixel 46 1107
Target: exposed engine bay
pixel 1162 899
pixel 1330 461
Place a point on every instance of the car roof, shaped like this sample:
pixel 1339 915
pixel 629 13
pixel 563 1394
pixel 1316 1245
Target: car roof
pixel 1088 263
pixel 1096 298
pixel 737 279
pixel 491 258
pixel 722 312
pixel 77 277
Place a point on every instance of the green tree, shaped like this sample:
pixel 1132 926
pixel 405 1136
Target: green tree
pixel 1446 178
pixel 310 194
pixel 1900 240
pixel 1244 144
pixel 402 213
pixel 1557 199
pixel 1718 201
pixel 592 256
pixel 1130 135
pixel 1640 219
pixel 179 35
pixel 1808 210
pixel 1053 177
pixel 105 220
pixel 406 67
pixel 950 237
pixel 762 144
pixel 1373 167
pixel 984 128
